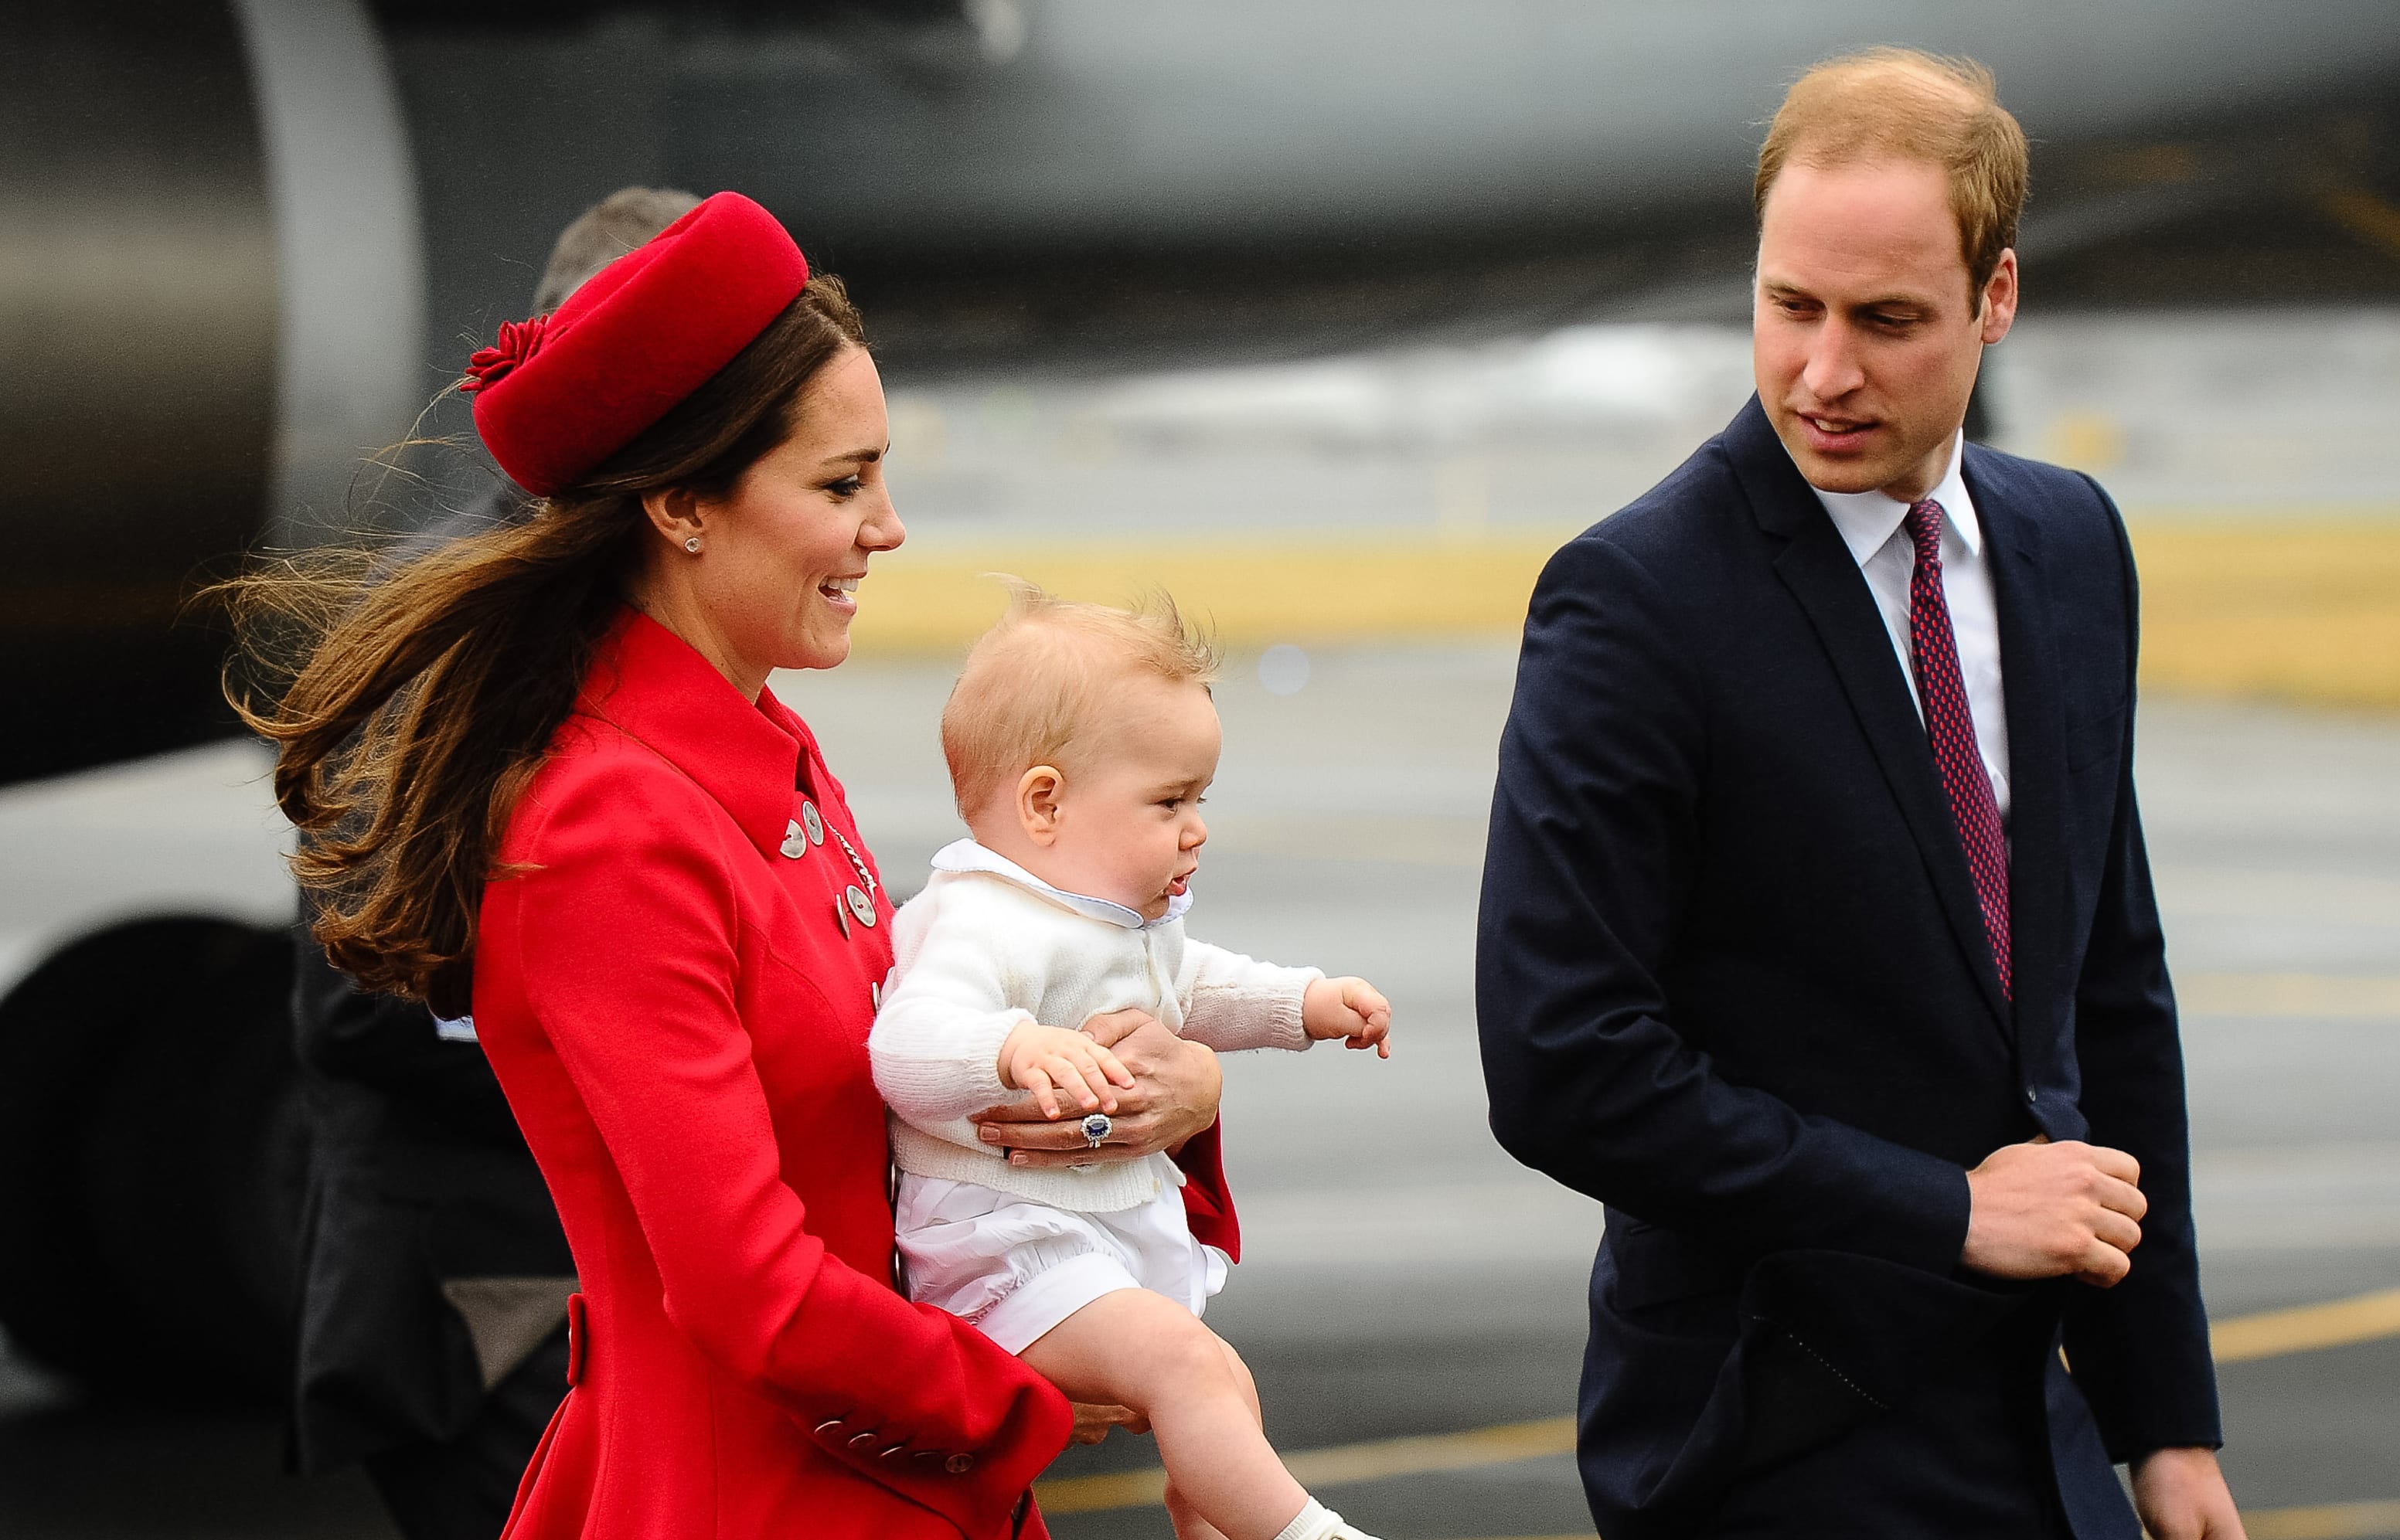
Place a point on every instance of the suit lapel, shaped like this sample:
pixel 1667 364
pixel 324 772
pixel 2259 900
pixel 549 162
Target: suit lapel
pixel 2037 740
pixel 1819 570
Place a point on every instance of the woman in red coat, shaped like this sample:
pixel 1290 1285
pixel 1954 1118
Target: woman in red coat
pixel 542 765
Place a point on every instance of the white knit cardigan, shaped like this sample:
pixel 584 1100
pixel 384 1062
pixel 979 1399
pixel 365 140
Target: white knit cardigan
pixel 989 944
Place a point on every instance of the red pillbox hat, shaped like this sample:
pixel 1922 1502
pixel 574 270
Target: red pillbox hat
pixel 563 393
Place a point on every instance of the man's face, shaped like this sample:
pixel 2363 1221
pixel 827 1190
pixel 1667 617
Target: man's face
pixel 1864 340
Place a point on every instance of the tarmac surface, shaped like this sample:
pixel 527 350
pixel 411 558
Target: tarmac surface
pixel 1405 1279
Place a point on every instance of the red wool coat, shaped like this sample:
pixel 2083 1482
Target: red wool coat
pixel 678 1014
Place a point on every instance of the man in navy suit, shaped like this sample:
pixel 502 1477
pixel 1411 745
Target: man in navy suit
pixel 1818 939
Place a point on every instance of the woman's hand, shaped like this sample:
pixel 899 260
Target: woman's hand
pixel 1093 1423
pixel 1174 1096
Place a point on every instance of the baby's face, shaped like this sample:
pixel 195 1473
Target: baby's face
pixel 1128 824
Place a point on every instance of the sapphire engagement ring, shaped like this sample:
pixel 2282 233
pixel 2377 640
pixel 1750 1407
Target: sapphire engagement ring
pixel 1097 1129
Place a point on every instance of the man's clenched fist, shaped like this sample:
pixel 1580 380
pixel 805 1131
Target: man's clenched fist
pixel 2045 1210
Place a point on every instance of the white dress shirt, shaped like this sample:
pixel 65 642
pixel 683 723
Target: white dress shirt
pixel 1874 527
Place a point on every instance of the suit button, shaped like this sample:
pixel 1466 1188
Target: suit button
pixel 860 1440
pixel 958 1465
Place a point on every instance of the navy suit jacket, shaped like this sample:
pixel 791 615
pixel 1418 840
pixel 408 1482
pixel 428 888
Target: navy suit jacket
pixel 1732 981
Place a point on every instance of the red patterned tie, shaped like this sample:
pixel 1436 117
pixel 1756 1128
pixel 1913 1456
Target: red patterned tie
pixel 1951 725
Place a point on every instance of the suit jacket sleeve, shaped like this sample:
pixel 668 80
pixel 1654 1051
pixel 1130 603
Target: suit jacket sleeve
pixel 388 1044
pixel 653 1040
pixel 2140 1350
pixel 1594 821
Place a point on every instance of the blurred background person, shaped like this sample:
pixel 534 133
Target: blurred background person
pixel 432 1325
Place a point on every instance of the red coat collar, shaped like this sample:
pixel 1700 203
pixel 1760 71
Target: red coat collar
pixel 651 685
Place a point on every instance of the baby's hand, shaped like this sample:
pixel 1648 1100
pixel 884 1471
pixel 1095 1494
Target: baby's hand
pixel 1047 1060
pixel 1348 1008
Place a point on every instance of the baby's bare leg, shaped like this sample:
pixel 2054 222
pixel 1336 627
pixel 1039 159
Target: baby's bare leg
pixel 1142 1350
pixel 1186 1518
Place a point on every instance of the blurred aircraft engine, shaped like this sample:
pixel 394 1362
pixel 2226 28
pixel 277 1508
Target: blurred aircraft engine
pixel 137 407
pixel 209 292
pixel 209 297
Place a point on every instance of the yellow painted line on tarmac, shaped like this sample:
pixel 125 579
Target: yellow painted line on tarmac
pixel 1375 1461
pixel 1130 1489
pixel 2331 996
pixel 2296 608
pixel 2322 1521
pixel 2263 604
pixel 1253 592
pixel 2340 1323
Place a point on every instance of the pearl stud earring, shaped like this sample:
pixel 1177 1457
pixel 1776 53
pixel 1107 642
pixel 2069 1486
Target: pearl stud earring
pixel 691 544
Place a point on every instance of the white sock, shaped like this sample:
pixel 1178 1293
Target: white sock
pixel 1313 1522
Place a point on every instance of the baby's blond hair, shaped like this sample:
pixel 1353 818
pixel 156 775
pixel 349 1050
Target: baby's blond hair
pixel 1034 683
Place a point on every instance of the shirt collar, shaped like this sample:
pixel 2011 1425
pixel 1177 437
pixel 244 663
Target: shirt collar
pixel 650 683
pixel 1867 519
pixel 968 855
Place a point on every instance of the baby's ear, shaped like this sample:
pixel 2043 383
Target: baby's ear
pixel 1038 794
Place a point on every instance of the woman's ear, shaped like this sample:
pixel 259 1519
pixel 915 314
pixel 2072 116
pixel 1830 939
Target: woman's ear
pixel 675 512
pixel 1038 793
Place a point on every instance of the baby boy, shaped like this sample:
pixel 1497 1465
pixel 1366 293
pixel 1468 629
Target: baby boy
pixel 1080 740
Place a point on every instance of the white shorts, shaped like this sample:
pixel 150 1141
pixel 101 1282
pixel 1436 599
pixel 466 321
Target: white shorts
pixel 1016 1268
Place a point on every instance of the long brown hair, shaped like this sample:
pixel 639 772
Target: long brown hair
pixel 416 700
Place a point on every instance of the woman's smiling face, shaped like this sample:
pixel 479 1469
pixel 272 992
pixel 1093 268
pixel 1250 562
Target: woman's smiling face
pixel 774 582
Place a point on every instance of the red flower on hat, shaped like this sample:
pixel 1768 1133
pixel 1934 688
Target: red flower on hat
pixel 519 341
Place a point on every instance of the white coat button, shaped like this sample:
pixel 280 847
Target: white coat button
pixel 862 907
pixel 842 918
pixel 796 843
pixel 814 822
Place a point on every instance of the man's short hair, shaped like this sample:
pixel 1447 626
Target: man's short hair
pixel 1902 105
pixel 625 219
pixel 1035 686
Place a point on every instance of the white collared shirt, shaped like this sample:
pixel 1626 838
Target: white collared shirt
pixel 969 855
pixel 1874 527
